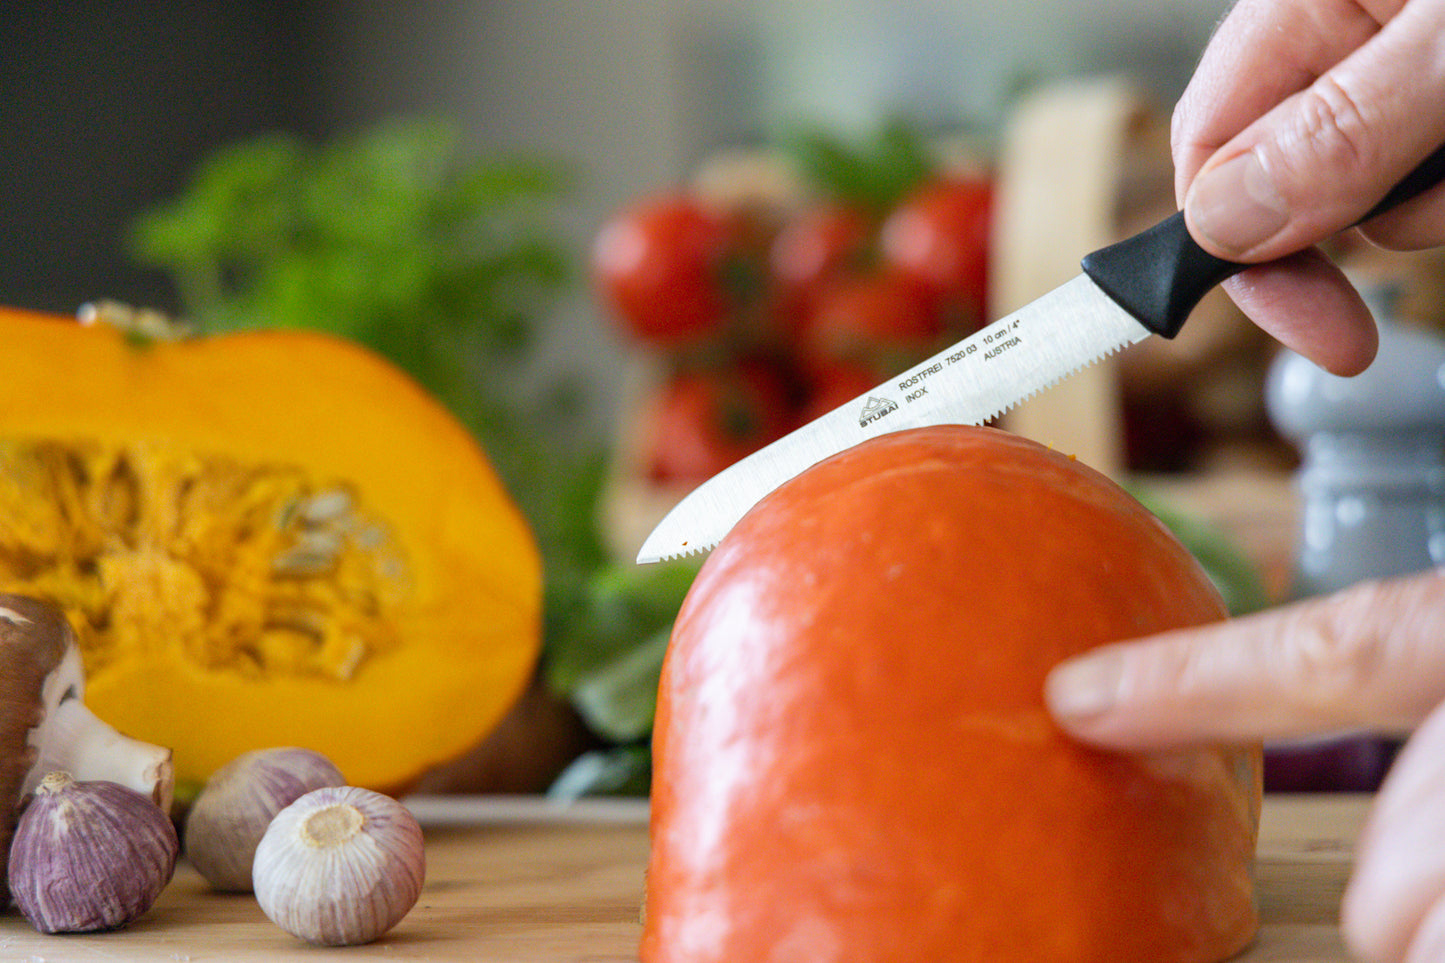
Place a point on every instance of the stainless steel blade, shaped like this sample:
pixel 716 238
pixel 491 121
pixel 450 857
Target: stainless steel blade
pixel 971 382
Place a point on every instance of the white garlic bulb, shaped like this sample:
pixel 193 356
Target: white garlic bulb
pixel 340 866
pixel 89 856
pixel 239 801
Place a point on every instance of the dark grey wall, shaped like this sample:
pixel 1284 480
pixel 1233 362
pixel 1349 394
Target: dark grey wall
pixel 105 107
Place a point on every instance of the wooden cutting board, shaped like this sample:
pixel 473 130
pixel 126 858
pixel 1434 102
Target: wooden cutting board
pixel 522 881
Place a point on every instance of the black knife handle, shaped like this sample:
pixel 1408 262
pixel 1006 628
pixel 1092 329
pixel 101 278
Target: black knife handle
pixel 1160 274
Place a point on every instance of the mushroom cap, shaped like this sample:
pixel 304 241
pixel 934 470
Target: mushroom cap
pixel 34 637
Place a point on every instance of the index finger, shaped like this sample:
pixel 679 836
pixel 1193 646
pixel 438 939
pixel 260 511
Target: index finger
pixel 1370 657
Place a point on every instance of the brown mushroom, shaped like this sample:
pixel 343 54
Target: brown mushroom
pixel 44 724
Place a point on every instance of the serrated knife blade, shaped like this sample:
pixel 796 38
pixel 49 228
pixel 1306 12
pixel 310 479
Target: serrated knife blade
pixel 969 383
pixel 1143 285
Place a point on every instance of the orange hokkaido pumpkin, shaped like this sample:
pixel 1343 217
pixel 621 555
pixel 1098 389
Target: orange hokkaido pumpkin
pixel 261 539
pixel 853 757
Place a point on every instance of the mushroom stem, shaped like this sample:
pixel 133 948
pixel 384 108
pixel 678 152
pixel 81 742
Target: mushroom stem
pixel 73 739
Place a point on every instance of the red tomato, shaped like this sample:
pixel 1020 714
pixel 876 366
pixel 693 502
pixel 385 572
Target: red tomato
pixel 880 318
pixel 940 237
pixel 817 247
pixel 704 420
pixel 833 383
pixel 662 264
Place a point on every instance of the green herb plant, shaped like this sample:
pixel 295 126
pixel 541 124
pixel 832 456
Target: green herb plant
pixel 449 265
pixel 390 237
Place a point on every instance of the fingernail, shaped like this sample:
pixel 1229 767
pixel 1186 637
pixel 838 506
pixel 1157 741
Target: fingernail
pixel 1085 687
pixel 1236 205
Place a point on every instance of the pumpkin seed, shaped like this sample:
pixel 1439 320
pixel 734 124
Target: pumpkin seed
pixel 286 514
pixel 300 563
pixel 345 669
pixel 327 506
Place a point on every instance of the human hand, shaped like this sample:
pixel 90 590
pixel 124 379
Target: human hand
pixel 1301 115
pixel 1370 658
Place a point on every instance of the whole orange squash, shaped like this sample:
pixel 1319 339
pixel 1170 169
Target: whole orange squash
pixel 853 757
pixel 261 539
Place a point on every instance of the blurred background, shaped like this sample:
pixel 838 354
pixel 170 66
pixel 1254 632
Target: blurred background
pixel 147 156
pixel 109 108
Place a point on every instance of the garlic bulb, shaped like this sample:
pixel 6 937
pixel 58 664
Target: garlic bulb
pixel 239 801
pixel 45 725
pixel 89 856
pixel 340 866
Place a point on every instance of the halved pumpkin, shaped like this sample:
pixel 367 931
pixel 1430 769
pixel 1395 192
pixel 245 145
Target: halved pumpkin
pixel 853 761
pixel 264 538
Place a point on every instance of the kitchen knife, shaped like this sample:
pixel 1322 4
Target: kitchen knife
pixel 1146 284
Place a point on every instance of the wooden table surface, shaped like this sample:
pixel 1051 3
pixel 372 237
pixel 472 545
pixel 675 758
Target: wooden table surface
pixel 519 880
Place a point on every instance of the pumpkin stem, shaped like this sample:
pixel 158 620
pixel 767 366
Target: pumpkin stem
pixel 142 325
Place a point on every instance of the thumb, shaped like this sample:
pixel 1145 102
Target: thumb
pixel 1370 657
pixel 1315 163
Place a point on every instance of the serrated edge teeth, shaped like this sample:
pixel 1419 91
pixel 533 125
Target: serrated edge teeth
pixel 1059 380
pixel 705 547
pixel 681 554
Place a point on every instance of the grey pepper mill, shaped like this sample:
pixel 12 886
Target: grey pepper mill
pixel 1372 479
pixel 1372 490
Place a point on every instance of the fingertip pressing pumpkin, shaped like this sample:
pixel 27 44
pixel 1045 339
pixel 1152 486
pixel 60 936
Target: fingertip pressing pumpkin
pixel 853 761
pixel 264 538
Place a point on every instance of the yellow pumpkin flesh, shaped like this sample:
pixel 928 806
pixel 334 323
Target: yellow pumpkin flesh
pixel 265 538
